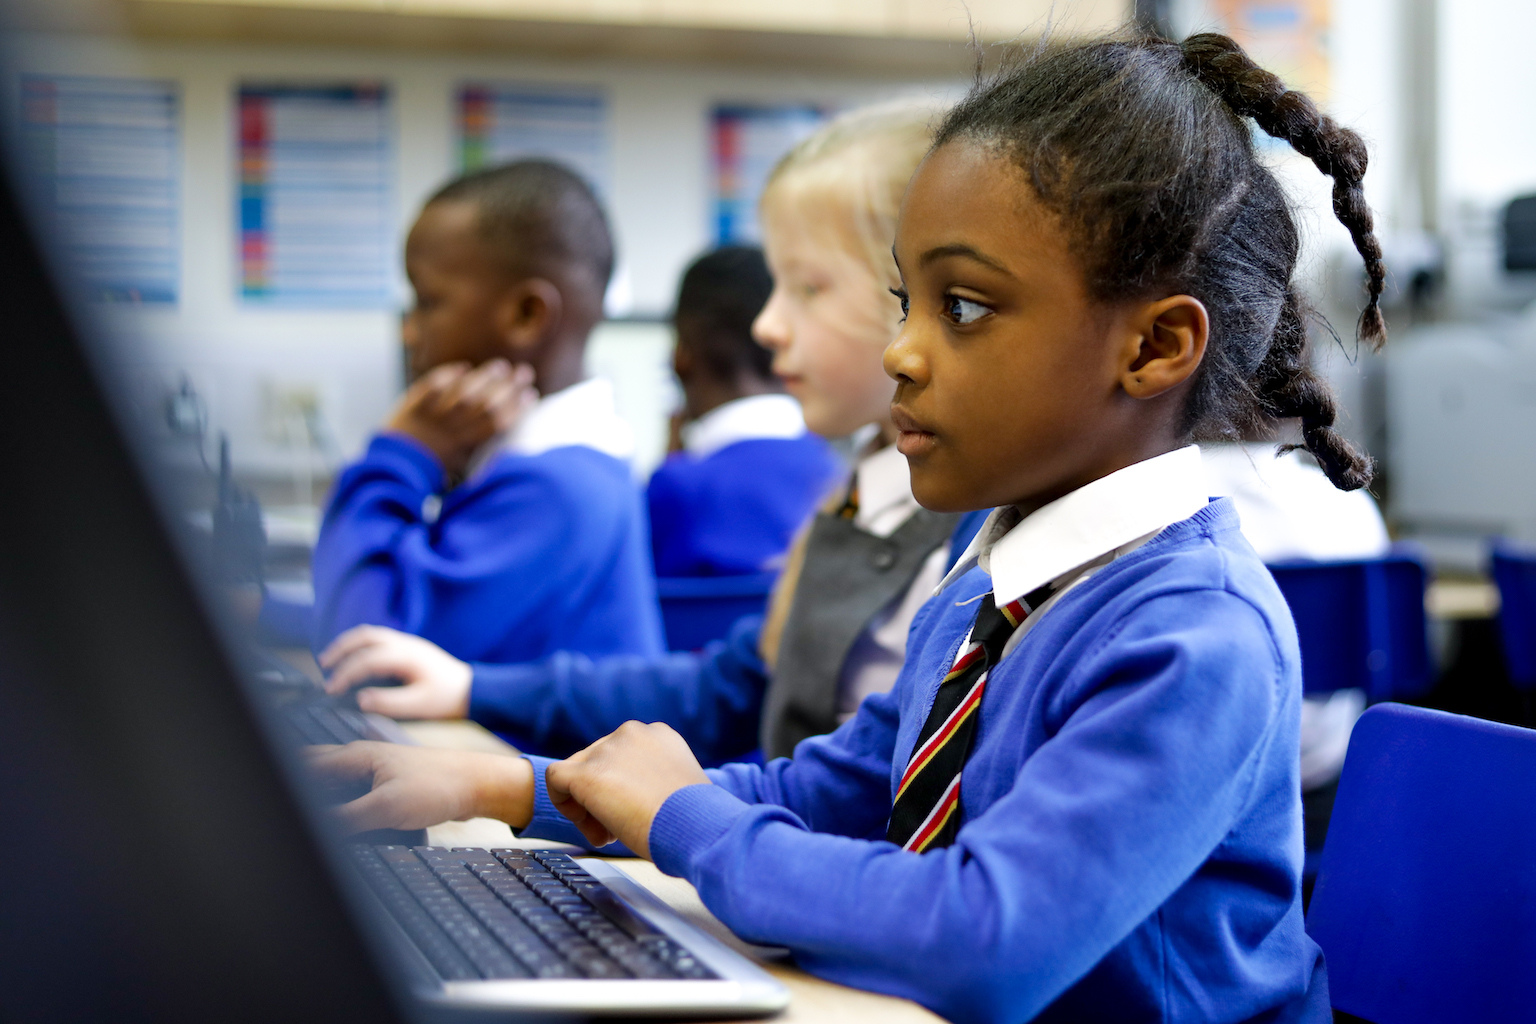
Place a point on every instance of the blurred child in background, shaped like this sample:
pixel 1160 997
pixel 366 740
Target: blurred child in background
pixel 837 625
pixel 495 514
pixel 746 473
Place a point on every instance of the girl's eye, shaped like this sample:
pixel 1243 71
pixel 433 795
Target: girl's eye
pixel 963 311
pixel 901 296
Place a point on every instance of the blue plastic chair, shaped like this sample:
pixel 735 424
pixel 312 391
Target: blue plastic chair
pixel 1426 904
pixel 1361 624
pixel 1514 571
pixel 698 609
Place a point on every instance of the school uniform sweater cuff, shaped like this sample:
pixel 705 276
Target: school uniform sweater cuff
pixel 692 820
pixel 548 823
pixel 502 697
pixel 409 459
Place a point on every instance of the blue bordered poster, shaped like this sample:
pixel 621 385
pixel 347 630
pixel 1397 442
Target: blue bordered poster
pixel 105 153
pixel 746 143
pixel 504 122
pixel 316 223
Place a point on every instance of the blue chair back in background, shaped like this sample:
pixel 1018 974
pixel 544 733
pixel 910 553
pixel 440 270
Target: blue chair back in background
pixel 1361 624
pixel 698 609
pixel 1426 903
pixel 1514 572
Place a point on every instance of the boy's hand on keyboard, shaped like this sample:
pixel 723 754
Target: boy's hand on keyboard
pixel 613 789
pixel 433 683
pixel 454 409
pixel 417 787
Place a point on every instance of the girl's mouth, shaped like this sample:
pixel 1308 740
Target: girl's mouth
pixel 913 440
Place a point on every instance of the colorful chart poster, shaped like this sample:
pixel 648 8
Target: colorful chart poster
pixel 105 152
pixel 316 195
pixel 501 123
pixel 747 142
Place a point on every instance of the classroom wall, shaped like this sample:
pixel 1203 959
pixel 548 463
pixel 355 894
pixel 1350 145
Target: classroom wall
pixel 254 365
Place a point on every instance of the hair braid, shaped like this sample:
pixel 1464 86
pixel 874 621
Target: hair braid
pixel 1288 388
pixel 1286 114
pixel 1285 385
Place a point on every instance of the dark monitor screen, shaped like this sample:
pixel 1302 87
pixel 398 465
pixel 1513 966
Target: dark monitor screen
pixel 161 860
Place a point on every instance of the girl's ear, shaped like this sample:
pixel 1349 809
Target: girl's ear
pixel 1170 342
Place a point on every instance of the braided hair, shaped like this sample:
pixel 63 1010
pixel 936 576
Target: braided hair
pixel 1142 147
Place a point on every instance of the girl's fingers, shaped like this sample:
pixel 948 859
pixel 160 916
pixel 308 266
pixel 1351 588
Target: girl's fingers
pixel 352 761
pixel 377 808
pixel 413 700
pixel 594 832
pixel 354 639
pixel 370 663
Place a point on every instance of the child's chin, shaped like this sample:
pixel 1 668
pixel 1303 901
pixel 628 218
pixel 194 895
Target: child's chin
pixel 937 494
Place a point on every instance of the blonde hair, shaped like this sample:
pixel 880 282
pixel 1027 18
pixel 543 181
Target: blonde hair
pixel 858 165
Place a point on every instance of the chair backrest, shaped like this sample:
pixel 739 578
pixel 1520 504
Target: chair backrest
pixel 1514 572
pixel 698 609
pixel 1361 624
pixel 1425 905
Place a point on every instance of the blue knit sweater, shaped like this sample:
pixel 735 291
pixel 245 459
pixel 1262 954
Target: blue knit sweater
pixel 1131 840
pixel 532 555
pixel 734 511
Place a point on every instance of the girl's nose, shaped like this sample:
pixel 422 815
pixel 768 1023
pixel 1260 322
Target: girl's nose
pixel 903 359
pixel 771 328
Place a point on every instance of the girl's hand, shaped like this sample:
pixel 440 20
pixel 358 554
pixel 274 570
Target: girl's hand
pixel 416 787
pixel 613 789
pixel 433 683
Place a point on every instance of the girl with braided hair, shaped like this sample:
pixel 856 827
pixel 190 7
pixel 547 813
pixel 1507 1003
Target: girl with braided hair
pixel 1080 801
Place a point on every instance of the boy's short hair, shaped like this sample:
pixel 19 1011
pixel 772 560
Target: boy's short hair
pixel 721 294
pixel 538 215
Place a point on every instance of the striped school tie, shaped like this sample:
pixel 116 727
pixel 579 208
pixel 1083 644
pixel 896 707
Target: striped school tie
pixel 925 815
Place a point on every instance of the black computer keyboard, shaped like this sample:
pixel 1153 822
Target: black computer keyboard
pixel 323 722
pixel 517 914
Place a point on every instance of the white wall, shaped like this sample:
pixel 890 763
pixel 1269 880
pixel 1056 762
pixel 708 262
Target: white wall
pixel 239 356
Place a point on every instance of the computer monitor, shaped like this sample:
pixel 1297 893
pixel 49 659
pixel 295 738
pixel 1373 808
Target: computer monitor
pixel 134 781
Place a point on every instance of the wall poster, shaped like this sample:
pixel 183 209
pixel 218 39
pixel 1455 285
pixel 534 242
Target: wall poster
pixel 745 143
pixel 105 153
pixel 506 122
pixel 316 195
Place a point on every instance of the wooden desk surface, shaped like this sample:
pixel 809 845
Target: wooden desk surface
pixel 812 1001
pixel 1461 599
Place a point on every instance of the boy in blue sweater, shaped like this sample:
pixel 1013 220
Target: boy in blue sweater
pixel 495 514
pixel 746 473
pixel 1080 802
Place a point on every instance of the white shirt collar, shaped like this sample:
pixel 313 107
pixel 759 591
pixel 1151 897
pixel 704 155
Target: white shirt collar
pixel 582 414
pixel 885 492
pixel 1077 528
pixel 755 417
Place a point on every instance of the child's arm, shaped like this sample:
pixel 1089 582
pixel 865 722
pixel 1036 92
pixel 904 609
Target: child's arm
pixel 1157 757
pixel 487 571
pixel 561 704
